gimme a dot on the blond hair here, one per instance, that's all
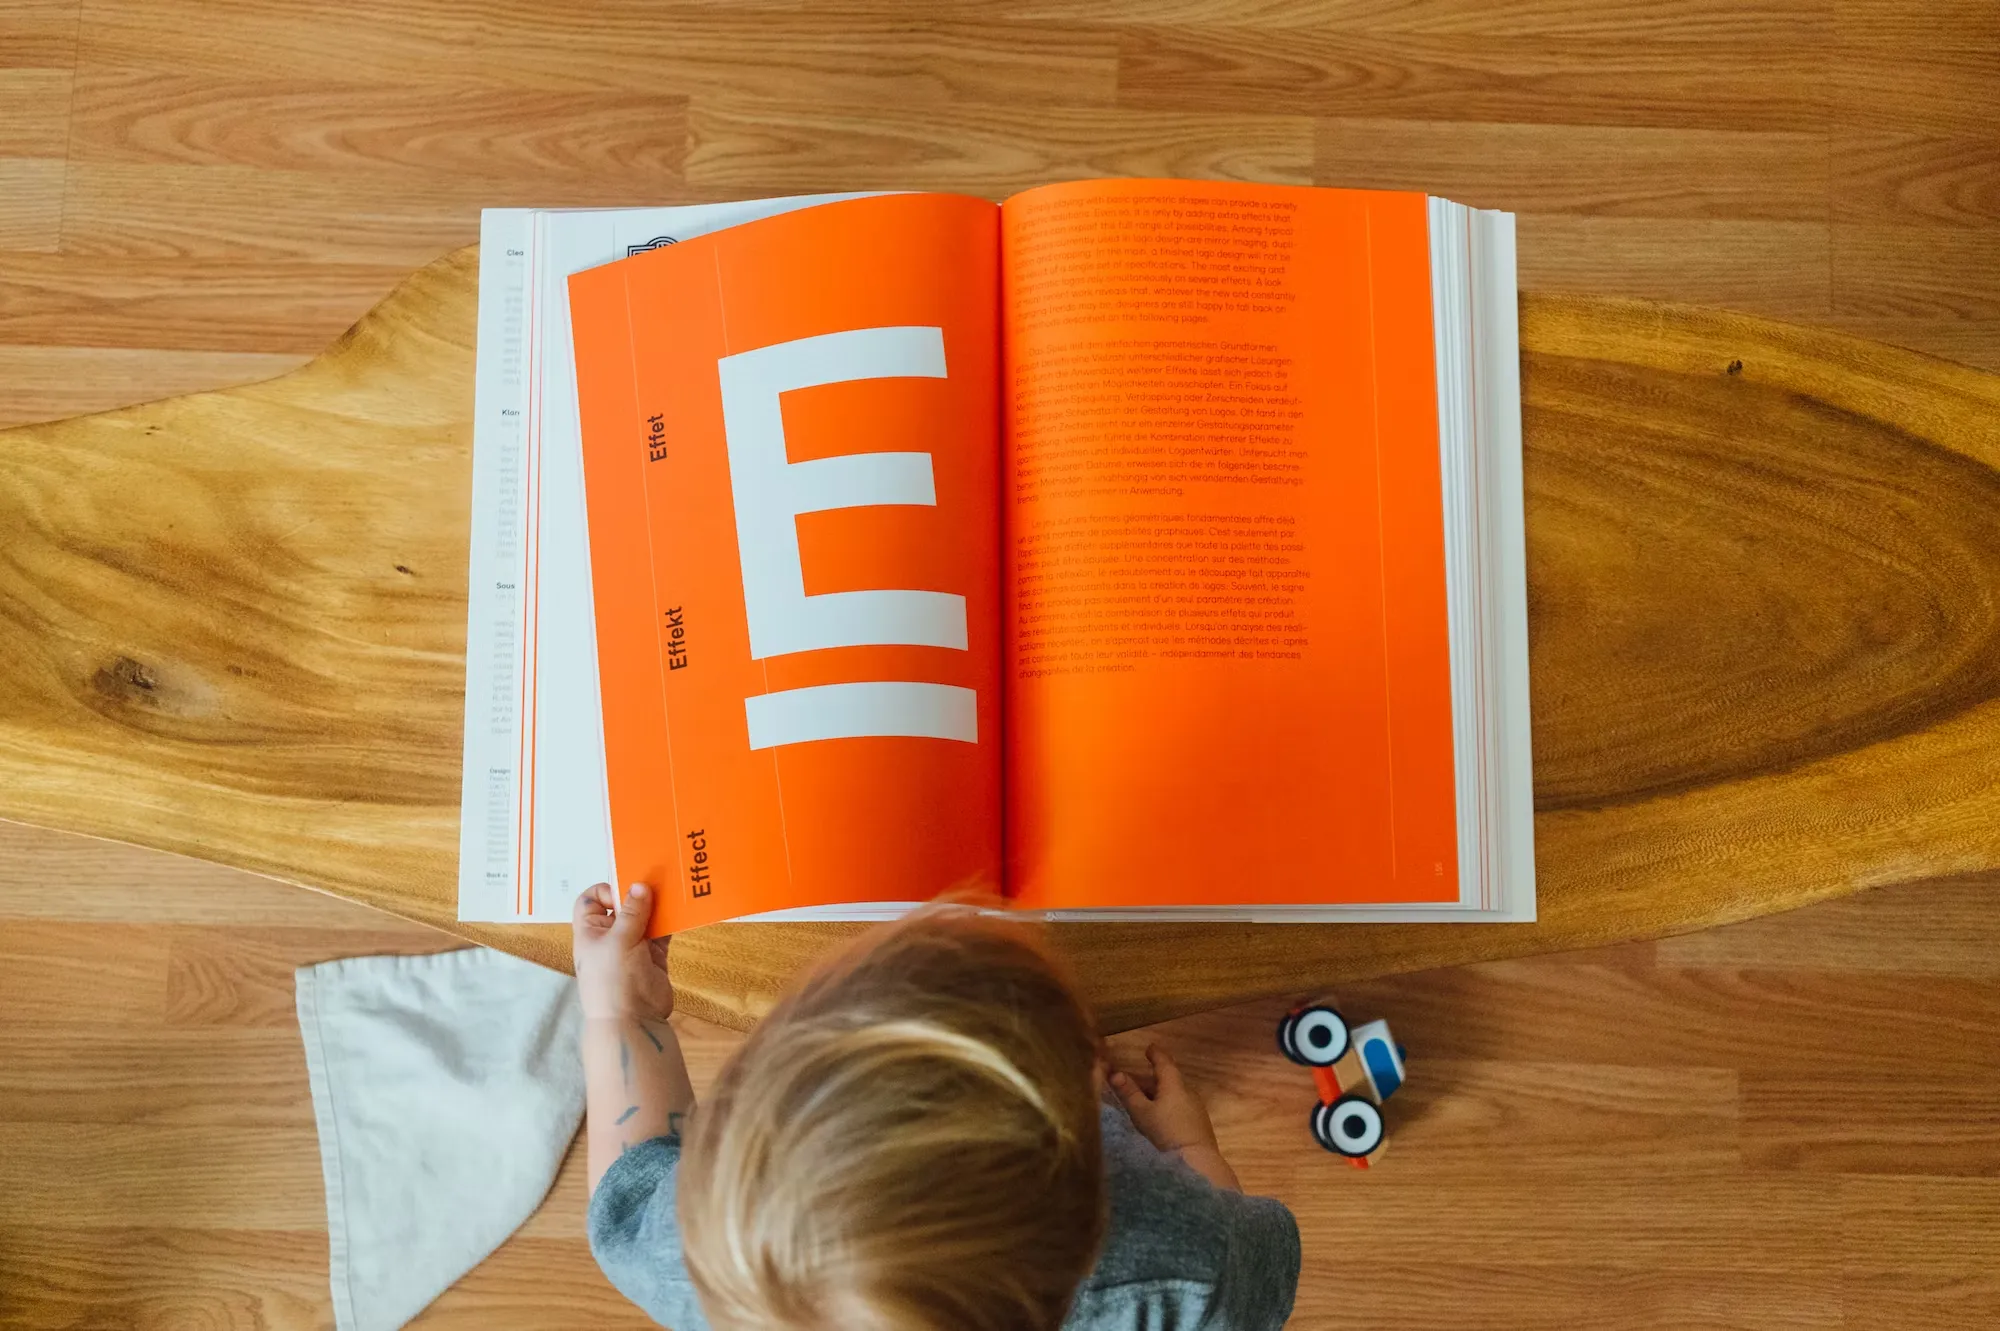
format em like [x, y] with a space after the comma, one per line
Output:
[907, 1142]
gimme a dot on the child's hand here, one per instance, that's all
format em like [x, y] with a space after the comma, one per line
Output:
[1174, 1119]
[619, 971]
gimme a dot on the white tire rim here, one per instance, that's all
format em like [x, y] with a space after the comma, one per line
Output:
[1354, 1127]
[1319, 1036]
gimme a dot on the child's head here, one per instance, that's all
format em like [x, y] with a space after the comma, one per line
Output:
[908, 1140]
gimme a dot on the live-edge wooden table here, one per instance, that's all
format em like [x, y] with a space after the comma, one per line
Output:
[1764, 611]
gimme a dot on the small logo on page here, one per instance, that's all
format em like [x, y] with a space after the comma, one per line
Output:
[656, 243]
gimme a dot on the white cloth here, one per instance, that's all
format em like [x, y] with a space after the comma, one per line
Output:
[446, 1089]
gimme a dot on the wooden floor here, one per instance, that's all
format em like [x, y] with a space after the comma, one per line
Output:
[199, 191]
[1785, 1124]
[1788, 1124]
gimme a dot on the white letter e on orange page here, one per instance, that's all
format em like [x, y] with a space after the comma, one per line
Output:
[771, 491]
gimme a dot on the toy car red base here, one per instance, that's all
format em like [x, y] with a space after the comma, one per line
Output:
[1355, 1071]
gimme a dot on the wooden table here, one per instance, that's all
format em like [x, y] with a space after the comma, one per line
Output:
[1765, 633]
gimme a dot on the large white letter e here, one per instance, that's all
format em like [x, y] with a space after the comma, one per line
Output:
[771, 491]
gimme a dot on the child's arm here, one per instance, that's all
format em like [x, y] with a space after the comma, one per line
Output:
[635, 1081]
[1174, 1119]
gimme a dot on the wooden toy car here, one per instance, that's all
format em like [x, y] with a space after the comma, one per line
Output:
[1355, 1069]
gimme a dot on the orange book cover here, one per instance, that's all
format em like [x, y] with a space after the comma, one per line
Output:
[1088, 547]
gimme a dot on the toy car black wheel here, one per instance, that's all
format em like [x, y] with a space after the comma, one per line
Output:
[1350, 1126]
[1314, 1036]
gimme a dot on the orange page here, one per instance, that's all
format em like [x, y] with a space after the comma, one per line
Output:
[791, 472]
[1228, 664]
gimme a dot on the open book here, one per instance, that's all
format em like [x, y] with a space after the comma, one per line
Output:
[1135, 548]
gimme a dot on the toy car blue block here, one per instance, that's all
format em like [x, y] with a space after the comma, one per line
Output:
[1355, 1069]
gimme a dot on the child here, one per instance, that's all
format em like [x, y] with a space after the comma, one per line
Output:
[914, 1139]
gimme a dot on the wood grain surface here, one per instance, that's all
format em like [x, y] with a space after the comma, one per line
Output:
[199, 193]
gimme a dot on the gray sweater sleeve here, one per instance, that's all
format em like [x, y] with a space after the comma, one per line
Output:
[636, 1237]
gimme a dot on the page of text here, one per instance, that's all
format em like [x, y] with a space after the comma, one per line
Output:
[1228, 666]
